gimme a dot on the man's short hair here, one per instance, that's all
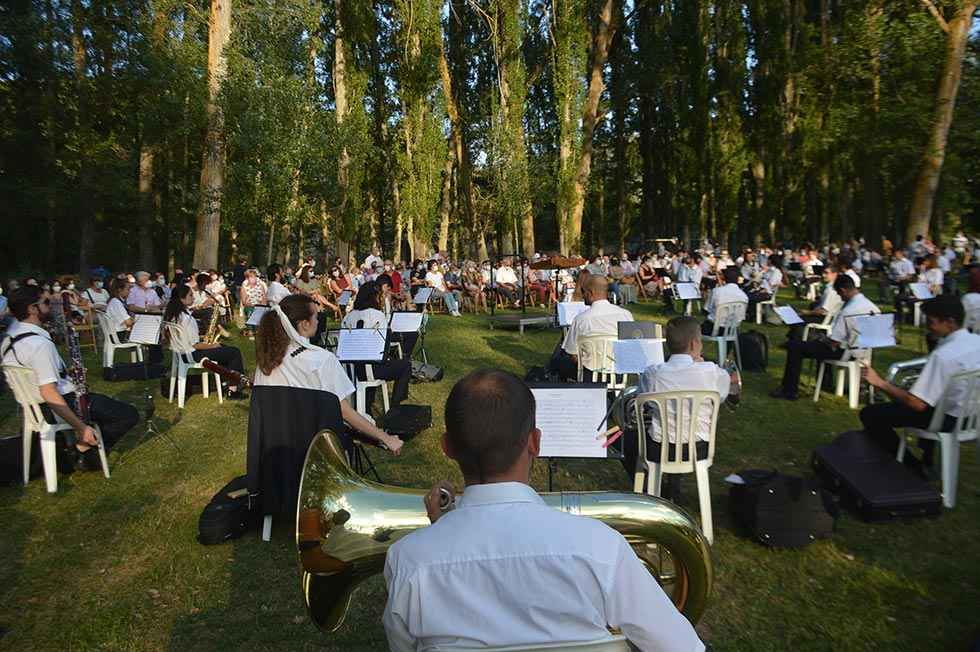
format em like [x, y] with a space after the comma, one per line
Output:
[274, 269]
[731, 275]
[22, 298]
[844, 282]
[681, 331]
[489, 415]
[597, 285]
[945, 306]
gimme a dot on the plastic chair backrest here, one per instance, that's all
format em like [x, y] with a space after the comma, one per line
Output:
[24, 383]
[727, 318]
[970, 408]
[678, 415]
[613, 644]
[972, 321]
[595, 352]
[179, 342]
[108, 332]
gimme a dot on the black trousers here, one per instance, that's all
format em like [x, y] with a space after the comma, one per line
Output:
[408, 341]
[565, 366]
[881, 419]
[707, 326]
[798, 351]
[113, 417]
[670, 484]
[226, 356]
[399, 371]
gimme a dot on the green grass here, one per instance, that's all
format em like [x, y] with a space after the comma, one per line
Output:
[114, 564]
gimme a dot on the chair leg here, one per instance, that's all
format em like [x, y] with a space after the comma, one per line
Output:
[949, 449]
[360, 399]
[205, 385]
[653, 488]
[217, 387]
[704, 496]
[173, 381]
[853, 385]
[102, 455]
[840, 381]
[267, 527]
[639, 479]
[50, 458]
[816, 392]
[722, 352]
[28, 439]
[384, 396]
[738, 353]
[901, 447]
[181, 387]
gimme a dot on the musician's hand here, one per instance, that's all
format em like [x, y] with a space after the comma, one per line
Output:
[87, 436]
[393, 443]
[432, 499]
[871, 376]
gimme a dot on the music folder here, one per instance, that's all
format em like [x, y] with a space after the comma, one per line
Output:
[569, 310]
[422, 296]
[571, 419]
[921, 291]
[687, 291]
[344, 298]
[257, 313]
[364, 345]
[405, 322]
[146, 329]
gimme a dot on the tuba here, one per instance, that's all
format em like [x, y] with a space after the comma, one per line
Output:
[346, 523]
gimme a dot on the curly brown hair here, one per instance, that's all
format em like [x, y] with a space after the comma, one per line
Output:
[271, 339]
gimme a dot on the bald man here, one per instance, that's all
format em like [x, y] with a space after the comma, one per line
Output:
[600, 319]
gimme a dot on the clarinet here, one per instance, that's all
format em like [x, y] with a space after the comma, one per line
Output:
[77, 370]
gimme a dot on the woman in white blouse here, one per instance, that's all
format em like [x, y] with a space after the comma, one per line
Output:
[931, 275]
[285, 357]
[120, 320]
[178, 312]
[435, 280]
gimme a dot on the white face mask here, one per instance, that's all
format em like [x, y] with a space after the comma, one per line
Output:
[146, 284]
[98, 285]
[71, 286]
[56, 288]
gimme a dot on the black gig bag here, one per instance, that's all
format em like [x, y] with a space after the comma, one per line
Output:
[230, 514]
[753, 347]
[782, 511]
[405, 421]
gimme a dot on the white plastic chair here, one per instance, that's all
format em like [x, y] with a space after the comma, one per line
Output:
[771, 301]
[849, 372]
[972, 321]
[24, 384]
[111, 343]
[595, 352]
[616, 643]
[824, 325]
[965, 429]
[678, 414]
[361, 386]
[183, 361]
[727, 318]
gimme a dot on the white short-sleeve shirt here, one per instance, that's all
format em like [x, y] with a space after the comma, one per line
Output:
[117, 313]
[601, 318]
[830, 301]
[189, 325]
[276, 292]
[38, 353]
[842, 329]
[727, 293]
[956, 353]
[854, 275]
[971, 302]
[682, 373]
[99, 298]
[309, 368]
[503, 568]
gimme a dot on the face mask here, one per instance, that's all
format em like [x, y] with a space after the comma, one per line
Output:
[336, 274]
[98, 285]
[146, 284]
[131, 279]
[31, 282]
[71, 286]
[56, 288]
[161, 282]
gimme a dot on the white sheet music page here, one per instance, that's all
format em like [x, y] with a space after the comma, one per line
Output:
[146, 329]
[687, 291]
[634, 356]
[569, 310]
[344, 298]
[361, 345]
[875, 331]
[569, 421]
[921, 291]
[789, 316]
[405, 322]
[423, 296]
[256, 316]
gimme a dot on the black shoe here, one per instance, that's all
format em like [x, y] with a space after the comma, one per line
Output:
[89, 460]
[237, 395]
[779, 393]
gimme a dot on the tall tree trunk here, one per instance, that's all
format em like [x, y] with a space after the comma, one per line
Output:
[924, 193]
[213, 161]
[341, 109]
[146, 205]
[446, 203]
[873, 193]
[605, 30]
[83, 206]
[457, 147]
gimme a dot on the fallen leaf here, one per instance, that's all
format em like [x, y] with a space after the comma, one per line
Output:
[298, 620]
[153, 593]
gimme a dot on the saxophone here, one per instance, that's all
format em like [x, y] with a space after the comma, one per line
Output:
[214, 328]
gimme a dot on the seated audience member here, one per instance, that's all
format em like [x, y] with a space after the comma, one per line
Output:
[502, 568]
[276, 291]
[685, 370]
[931, 275]
[474, 287]
[178, 312]
[956, 351]
[285, 357]
[648, 277]
[616, 274]
[96, 294]
[435, 280]
[367, 313]
[142, 298]
[832, 348]
[601, 318]
[28, 345]
[971, 300]
[120, 321]
[252, 292]
[506, 282]
[727, 292]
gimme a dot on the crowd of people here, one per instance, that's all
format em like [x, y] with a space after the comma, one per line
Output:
[490, 427]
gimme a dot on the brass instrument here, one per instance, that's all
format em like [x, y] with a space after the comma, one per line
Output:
[346, 523]
[214, 328]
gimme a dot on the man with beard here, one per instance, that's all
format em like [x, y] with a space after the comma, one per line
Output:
[29, 345]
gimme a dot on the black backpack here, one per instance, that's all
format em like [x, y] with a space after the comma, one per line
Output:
[230, 514]
[782, 511]
[754, 348]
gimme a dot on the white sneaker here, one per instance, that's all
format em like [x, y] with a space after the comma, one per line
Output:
[456, 314]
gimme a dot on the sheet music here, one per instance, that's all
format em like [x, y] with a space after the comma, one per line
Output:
[344, 298]
[423, 296]
[789, 316]
[687, 291]
[921, 291]
[875, 331]
[634, 356]
[569, 310]
[405, 322]
[146, 329]
[569, 420]
[361, 345]
[256, 316]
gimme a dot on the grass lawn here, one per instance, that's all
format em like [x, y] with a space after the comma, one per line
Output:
[115, 565]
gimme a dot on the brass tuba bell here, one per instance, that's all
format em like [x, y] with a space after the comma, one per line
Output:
[346, 523]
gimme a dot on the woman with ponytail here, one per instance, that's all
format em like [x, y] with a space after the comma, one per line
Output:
[285, 357]
[178, 312]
